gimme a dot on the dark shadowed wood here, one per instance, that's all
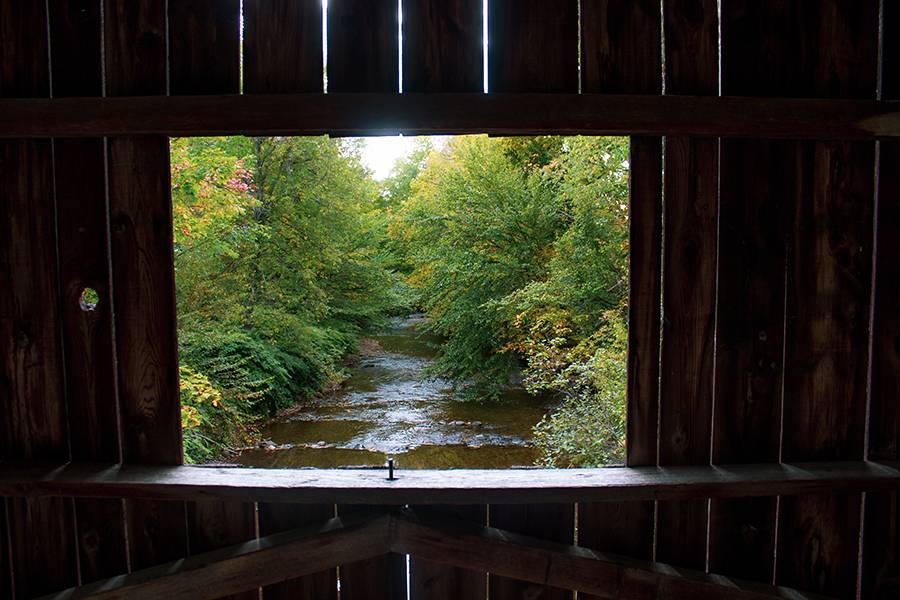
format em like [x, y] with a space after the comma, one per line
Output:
[275, 518]
[363, 46]
[755, 204]
[644, 294]
[33, 422]
[620, 47]
[427, 114]
[621, 53]
[553, 522]
[141, 220]
[828, 299]
[42, 545]
[213, 524]
[516, 30]
[83, 236]
[544, 564]
[145, 333]
[135, 44]
[6, 574]
[283, 46]
[826, 346]
[143, 278]
[429, 580]
[204, 46]
[753, 211]
[689, 280]
[75, 40]
[31, 380]
[83, 231]
[368, 486]
[442, 46]
[881, 552]
[247, 566]
[382, 577]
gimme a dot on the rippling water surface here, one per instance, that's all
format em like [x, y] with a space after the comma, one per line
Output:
[389, 408]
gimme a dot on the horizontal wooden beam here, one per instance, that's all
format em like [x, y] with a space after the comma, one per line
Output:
[564, 566]
[371, 486]
[248, 566]
[421, 114]
[283, 556]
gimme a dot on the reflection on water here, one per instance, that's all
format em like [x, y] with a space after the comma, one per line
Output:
[387, 407]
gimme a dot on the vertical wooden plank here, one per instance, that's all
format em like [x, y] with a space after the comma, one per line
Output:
[433, 581]
[881, 538]
[621, 53]
[380, 578]
[283, 46]
[363, 46]
[442, 46]
[83, 232]
[33, 421]
[143, 278]
[828, 296]
[283, 54]
[689, 280]
[274, 518]
[204, 42]
[532, 46]
[213, 525]
[204, 45]
[554, 522]
[756, 183]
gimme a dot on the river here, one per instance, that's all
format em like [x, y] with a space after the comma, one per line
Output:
[387, 407]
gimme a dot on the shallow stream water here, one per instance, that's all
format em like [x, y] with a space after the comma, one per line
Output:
[387, 407]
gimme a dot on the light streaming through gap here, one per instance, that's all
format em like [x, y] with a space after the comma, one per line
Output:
[400, 46]
[325, 46]
[484, 45]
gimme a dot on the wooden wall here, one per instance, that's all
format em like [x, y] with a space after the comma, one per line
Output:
[764, 319]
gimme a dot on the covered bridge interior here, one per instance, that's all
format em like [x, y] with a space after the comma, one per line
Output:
[764, 325]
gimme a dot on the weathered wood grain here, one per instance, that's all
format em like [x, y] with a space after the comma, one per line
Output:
[516, 28]
[143, 278]
[276, 518]
[82, 226]
[370, 486]
[442, 46]
[753, 212]
[283, 46]
[828, 298]
[204, 46]
[756, 185]
[33, 423]
[553, 522]
[363, 46]
[689, 278]
[429, 580]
